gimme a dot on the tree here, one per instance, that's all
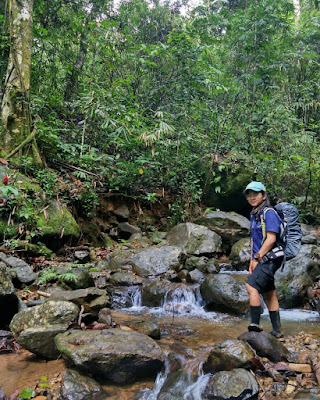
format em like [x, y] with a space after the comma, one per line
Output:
[17, 127]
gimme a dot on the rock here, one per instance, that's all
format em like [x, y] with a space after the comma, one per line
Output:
[230, 226]
[155, 260]
[195, 276]
[24, 273]
[57, 225]
[309, 239]
[194, 239]
[83, 256]
[304, 368]
[10, 303]
[241, 253]
[223, 292]
[149, 328]
[158, 237]
[126, 230]
[75, 386]
[40, 340]
[122, 211]
[82, 297]
[119, 260]
[83, 277]
[266, 345]
[212, 266]
[125, 279]
[49, 313]
[118, 355]
[123, 296]
[105, 317]
[175, 385]
[297, 275]
[153, 293]
[230, 385]
[196, 262]
[229, 355]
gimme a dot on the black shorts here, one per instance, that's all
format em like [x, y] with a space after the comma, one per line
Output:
[262, 277]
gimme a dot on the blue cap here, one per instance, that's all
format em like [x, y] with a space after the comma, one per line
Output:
[256, 186]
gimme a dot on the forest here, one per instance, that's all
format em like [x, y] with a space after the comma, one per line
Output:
[163, 101]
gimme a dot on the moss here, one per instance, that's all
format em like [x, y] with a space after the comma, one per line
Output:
[6, 231]
[59, 222]
[19, 181]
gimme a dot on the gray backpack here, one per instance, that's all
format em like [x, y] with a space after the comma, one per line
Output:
[290, 231]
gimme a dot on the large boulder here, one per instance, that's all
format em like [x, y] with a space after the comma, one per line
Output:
[125, 279]
[294, 279]
[228, 355]
[229, 225]
[194, 239]
[75, 386]
[49, 313]
[154, 293]
[83, 278]
[231, 385]
[10, 303]
[155, 260]
[222, 292]
[118, 355]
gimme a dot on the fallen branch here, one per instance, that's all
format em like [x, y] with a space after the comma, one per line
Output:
[44, 294]
[22, 144]
[73, 168]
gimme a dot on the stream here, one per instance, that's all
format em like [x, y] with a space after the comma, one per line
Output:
[188, 332]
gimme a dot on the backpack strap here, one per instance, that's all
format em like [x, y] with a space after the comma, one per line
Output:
[263, 223]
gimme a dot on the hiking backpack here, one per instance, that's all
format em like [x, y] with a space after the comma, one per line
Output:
[290, 229]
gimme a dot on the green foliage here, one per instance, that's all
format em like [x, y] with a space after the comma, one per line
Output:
[26, 394]
[50, 275]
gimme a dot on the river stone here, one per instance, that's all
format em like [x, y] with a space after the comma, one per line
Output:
[196, 262]
[229, 225]
[194, 239]
[10, 303]
[40, 340]
[75, 386]
[125, 279]
[175, 385]
[238, 384]
[293, 281]
[266, 345]
[228, 355]
[118, 355]
[155, 260]
[223, 292]
[149, 328]
[195, 276]
[119, 260]
[24, 273]
[49, 313]
[241, 253]
[82, 297]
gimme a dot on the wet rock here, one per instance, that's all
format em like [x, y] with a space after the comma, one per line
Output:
[241, 253]
[82, 297]
[149, 328]
[153, 294]
[223, 292]
[118, 355]
[24, 273]
[297, 275]
[230, 226]
[49, 313]
[122, 296]
[78, 387]
[232, 385]
[194, 239]
[212, 266]
[228, 355]
[125, 279]
[266, 345]
[155, 260]
[175, 385]
[10, 303]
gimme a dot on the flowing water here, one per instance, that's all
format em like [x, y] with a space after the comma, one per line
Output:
[188, 332]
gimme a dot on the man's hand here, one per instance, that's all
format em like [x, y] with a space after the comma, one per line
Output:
[253, 264]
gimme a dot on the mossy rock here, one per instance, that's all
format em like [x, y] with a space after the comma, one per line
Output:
[18, 180]
[58, 222]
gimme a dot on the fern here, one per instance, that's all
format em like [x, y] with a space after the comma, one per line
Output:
[48, 275]
[67, 277]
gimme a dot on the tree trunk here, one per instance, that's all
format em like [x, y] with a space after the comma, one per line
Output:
[15, 112]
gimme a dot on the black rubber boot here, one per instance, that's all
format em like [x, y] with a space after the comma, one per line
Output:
[276, 324]
[255, 319]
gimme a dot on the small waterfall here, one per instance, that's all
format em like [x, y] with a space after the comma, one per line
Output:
[183, 300]
[136, 299]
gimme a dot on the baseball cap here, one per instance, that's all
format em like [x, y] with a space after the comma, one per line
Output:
[256, 186]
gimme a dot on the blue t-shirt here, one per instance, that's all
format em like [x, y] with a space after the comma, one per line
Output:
[272, 221]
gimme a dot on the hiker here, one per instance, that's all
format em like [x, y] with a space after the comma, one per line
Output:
[266, 257]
